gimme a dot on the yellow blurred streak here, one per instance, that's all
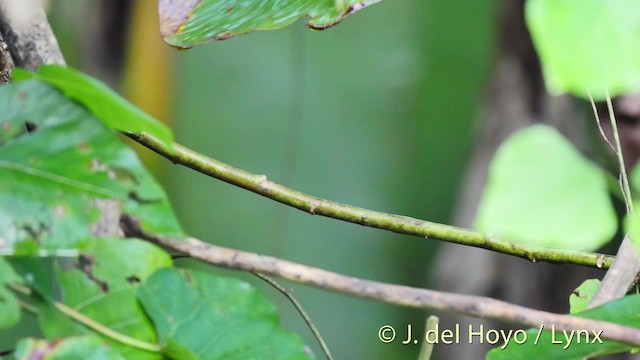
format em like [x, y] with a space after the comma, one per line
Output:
[148, 70]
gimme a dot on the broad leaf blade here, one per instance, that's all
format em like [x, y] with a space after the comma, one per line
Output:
[84, 347]
[105, 104]
[623, 311]
[199, 316]
[102, 285]
[587, 46]
[542, 192]
[9, 307]
[186, 23]
[56, 159]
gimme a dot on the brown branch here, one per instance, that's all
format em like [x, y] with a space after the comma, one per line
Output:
[6, 62]
[27, 33]
[389, 293]
[620, 277]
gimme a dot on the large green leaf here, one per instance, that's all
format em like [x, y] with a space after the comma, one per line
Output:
[105, 104]
[542, 192]
[56, 159]
[186, 23]
[102, 285]
[9, 307]
[198, 316]
[623, 311]
[587, 45]
[75, 348]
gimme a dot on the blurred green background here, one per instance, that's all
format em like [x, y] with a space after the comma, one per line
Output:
[377, 112]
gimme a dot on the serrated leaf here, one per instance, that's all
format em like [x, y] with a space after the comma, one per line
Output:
[9, 306]
[56, 160]
[587, 45]
[187, 23]
[542, 192]
[105, 104]
[199, 316]
[580, 297]
[75, 348]
[623, 311]
[102, 285]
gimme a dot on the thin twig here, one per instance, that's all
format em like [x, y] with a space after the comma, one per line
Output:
[624, 179]
[389, 293]
[300, 309]
[427, 346]
[597, 116]
[92, 324]
[259, 184]
[28, 307]
[624, 270]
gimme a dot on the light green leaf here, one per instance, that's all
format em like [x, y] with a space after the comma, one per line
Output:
[56, 159]
[199, 316]
[105, 104]
[102, 285]
[186, 23]
[587, 45]
[542, 192]
[9, 306]
[75, 348]
[623, 311]
[580, 298]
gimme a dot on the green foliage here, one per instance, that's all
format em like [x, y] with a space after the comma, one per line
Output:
[127, 286]
[102, 285]
[104, 103]
[623, 311]
[56, 159]
[542, 192]
[75, 348]
[581, 297]
[9, 307]
[188, 23]
[203, 317]
[587, 46]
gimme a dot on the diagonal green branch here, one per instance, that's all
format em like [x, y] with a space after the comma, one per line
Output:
[259, 184]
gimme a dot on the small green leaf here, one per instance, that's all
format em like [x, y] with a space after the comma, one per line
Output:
[587, 46]
[623, 311]
[9, 306]
[74, 348]
[199, 316]
[102, 284]
[105, 104]
[542, 192]
[580, 298]
[186, 23]
[56, 160]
